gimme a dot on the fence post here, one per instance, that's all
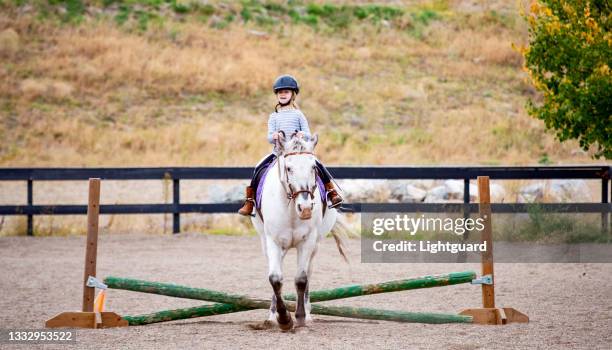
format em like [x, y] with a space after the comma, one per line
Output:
[30, 203]
[605, 216]
[176, 215]
[462, 256]
[466, 197]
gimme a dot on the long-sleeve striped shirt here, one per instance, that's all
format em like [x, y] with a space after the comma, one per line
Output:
[288, 121]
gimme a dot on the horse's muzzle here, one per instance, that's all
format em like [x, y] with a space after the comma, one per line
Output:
[306, 214]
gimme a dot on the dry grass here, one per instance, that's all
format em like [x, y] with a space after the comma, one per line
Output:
[185, 94]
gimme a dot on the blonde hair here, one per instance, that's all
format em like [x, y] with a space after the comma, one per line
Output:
[292, 103]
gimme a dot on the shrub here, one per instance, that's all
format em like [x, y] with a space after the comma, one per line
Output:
[568, 59]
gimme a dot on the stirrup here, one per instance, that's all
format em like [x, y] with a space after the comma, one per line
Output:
[254, 210]
[331, 206]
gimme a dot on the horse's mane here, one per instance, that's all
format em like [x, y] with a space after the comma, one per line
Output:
[296, 144]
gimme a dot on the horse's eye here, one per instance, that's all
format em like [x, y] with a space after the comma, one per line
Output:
[289, 169]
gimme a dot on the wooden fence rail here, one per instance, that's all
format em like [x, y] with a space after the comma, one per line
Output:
[176, 174]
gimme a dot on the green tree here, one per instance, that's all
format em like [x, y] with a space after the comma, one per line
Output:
[568, 59]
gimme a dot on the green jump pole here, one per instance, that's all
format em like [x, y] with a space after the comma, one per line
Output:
[341, 311]
[235, 303]
[391, 286]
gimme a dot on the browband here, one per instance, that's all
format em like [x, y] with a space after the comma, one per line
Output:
[294, 153]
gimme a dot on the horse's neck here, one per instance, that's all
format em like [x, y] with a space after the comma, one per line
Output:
[273, 181]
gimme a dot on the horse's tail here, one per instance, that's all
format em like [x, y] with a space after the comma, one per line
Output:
[341, 231]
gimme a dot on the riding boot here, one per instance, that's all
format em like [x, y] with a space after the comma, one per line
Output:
[247, 207]
[333, 195]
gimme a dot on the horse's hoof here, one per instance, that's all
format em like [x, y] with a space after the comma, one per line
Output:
[300, 322]
[286, 326]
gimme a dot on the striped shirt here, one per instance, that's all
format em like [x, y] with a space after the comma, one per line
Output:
[289, 121]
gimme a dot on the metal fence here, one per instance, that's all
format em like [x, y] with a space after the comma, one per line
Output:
[176, 174]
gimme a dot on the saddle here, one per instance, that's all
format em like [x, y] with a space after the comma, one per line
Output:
[262, 179]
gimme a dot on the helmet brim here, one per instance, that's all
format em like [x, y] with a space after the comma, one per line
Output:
[292, 88]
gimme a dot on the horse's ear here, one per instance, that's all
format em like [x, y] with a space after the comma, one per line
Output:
[279, 145]
[314, 140]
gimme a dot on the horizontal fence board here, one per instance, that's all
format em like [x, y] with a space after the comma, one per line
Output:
[232, 208]
[345, 172]
[601, 172]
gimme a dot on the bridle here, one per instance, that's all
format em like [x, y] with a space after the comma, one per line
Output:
[291, 193]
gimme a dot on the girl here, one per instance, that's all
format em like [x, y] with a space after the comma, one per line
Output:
[287, 118]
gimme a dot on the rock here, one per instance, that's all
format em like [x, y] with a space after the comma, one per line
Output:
[450, 190]
[531, 193]
[437, 194]
[422, 184]
[407, 193]
[454, 189]
[364, 190]
[223, 194]
[569, 191]
[556, 191]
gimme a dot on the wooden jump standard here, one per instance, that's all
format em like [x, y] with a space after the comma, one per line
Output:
[88, 318]
[489, 314]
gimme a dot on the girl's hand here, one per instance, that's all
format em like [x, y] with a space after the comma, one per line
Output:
[275, 135]
[300, 134]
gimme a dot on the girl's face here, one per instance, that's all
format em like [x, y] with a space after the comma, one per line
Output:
[284, 96]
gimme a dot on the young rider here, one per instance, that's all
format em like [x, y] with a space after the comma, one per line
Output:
[287, 118]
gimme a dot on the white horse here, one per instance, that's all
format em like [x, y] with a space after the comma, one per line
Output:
[292, 216]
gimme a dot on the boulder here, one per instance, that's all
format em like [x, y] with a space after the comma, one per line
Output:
[407, 193]
[531, 193]
[569, 191]
[422, 184]
[226, 194]
[454, 189]
[364, 190]
[437, 194]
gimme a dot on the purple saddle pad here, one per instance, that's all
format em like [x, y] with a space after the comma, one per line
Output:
[262, 181]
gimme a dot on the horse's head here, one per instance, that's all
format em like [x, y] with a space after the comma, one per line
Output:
[298, 172]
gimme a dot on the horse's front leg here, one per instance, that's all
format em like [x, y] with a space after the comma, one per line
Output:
[305, 253]
[275, 275]
[272, 314]
[307, 292]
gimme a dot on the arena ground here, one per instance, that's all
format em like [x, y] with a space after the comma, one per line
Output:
[570, 305]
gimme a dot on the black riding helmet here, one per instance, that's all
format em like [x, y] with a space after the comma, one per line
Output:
[286, 82]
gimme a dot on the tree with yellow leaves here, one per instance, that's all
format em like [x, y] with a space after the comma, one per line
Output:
[568, 60]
